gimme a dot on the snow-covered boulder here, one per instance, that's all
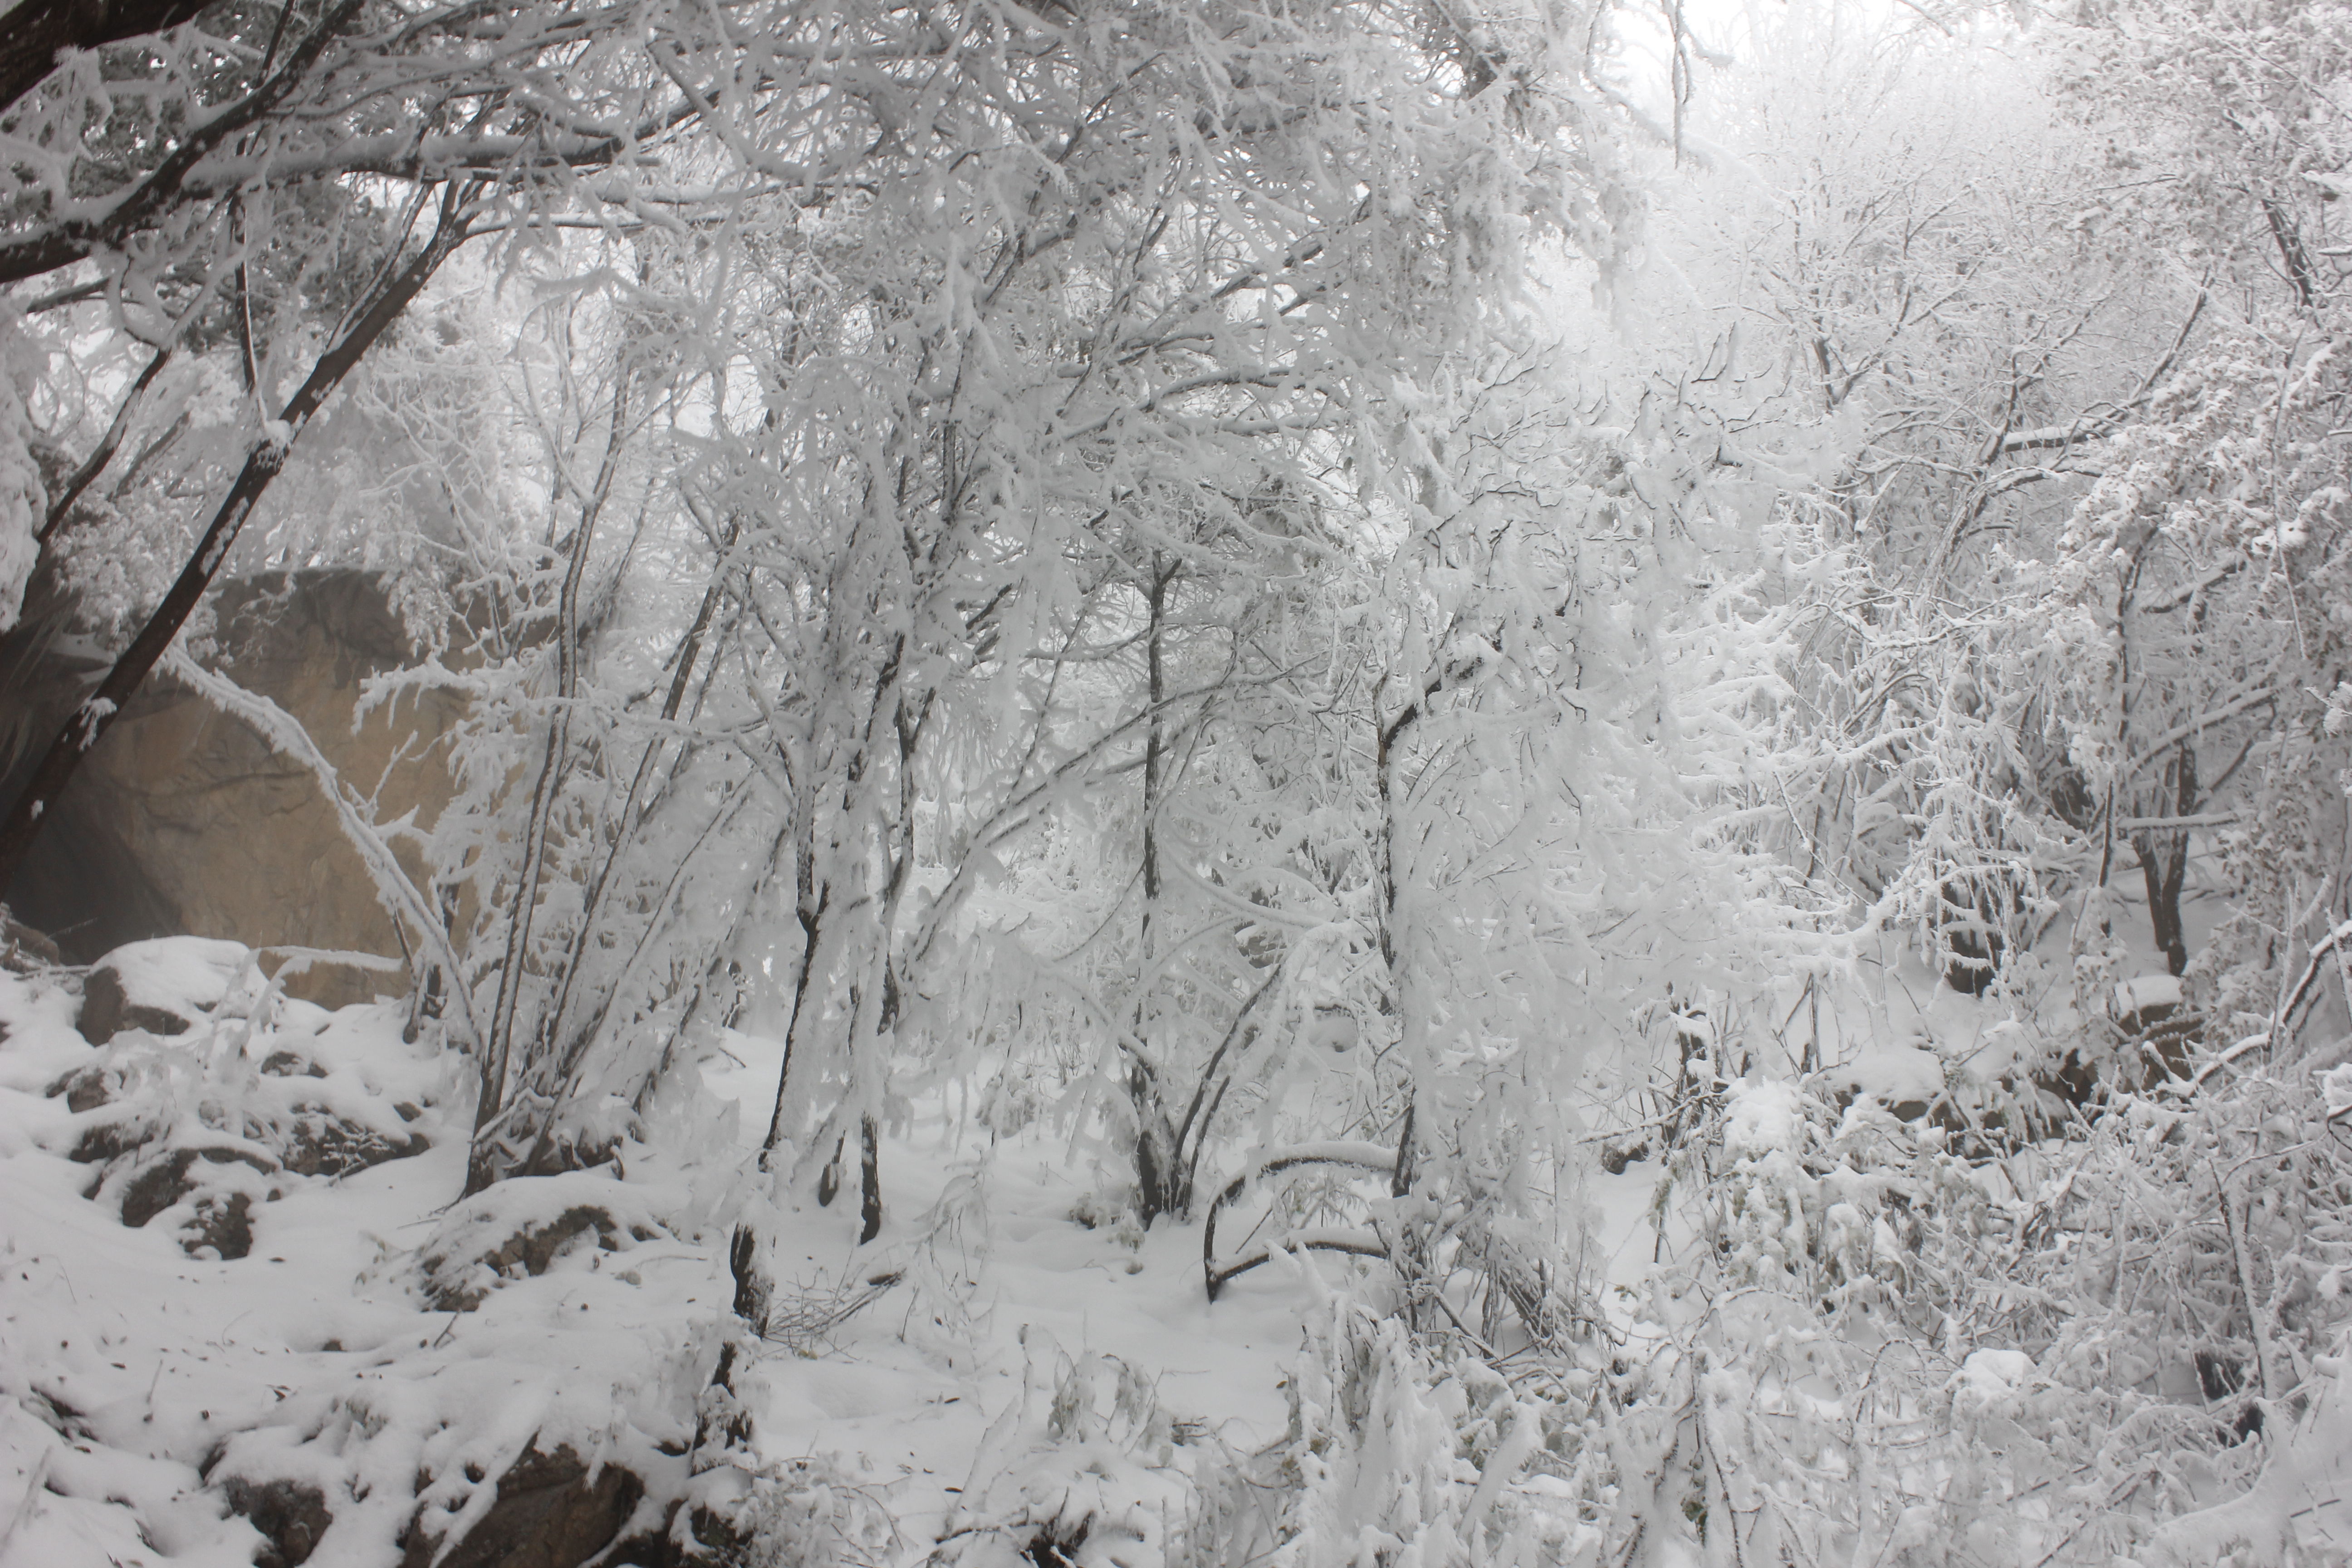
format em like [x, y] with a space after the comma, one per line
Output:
[1908, 1078]
[247, 1093]
[548, 1511]
[165, 987]
[523, 1227]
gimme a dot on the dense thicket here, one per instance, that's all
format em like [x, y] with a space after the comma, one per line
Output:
[1350, 603]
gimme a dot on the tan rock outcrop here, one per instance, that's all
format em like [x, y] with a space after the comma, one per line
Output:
[183, 820]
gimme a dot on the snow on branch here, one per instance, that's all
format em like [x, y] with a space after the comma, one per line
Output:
[285, 734]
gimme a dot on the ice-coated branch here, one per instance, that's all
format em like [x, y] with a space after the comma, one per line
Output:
[88, 723]
[286, 735]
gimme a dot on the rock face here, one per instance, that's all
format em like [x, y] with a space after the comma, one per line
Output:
[290, 1516]
[548, 1514]
[521, 1227]
[107, 1010]
[183, 820]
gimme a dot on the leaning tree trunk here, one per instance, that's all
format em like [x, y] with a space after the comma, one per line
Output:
[85, 726]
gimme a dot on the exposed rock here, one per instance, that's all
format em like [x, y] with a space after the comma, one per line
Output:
[165, 986]
[1616, 1154]
[107, 1010]
[712, 1540]
[573, 1149]
[319, 1144]
[548, 1514]
[1055, 1545]
[326, 1147]
[290, 1516]
[84, 1091]
[26, 950]
[532, 1249]
[135, 1099]
[173, 1177]
[224, 1223]
[707, 1537]
[182, 819]
[110, 1140]
[287, 1064]
[454, 1283]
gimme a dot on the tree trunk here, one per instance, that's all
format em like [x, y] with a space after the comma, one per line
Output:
[83, 727]
[2163, 867]
[1158, 1175]
[2164, 864]
[103, 453]
[869, 1180]
[508, 1089]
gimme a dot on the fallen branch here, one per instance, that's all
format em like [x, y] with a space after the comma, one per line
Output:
[1368, 1157]
[1298, 1240]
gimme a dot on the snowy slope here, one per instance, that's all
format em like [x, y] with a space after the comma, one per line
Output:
[147, 1386]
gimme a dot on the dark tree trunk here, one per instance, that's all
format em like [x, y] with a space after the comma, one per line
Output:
[2164, 864]
[103, 453]
[2163, 867]
[828, 1181]
[86, 724]
[751, 1287]
[1158, 1173]
[722, 1423]
[1160, 1186]
[869, 1180]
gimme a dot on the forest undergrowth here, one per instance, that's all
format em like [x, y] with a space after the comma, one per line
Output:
[1210, 782]
[1797, 1331]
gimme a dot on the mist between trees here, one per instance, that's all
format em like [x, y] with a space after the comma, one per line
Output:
[1106, 558]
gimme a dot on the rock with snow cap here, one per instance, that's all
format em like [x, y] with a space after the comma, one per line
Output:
[165, 987]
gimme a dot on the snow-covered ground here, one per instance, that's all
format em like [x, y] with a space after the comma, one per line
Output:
[245, 1319]
[147, 1384]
